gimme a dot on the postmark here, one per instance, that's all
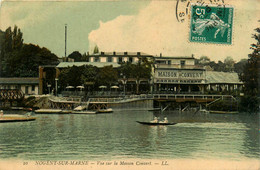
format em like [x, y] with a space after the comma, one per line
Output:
[211, 24]
[183, 7]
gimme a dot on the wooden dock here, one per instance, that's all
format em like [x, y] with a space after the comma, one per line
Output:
[16, 118]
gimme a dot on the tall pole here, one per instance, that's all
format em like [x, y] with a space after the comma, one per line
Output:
[66, 42]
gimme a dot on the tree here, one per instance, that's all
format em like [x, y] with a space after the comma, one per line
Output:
[75, 76]
[250, 77]
[19, 59]
[138, 71]
[204, 60]
[76, 56]
[96, 50]
[229, 64]
[107, 76]
[239, 66]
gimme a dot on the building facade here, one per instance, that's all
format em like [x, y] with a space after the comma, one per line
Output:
[169, 74]
[182, 75]
[29, 86]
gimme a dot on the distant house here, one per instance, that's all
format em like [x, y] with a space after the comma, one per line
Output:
[28, 85]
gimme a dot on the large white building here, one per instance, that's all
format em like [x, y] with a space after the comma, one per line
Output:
[170, 74]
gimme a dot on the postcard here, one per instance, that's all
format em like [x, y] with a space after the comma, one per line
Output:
[124, 84]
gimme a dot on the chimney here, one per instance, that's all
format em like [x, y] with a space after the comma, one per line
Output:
[138, 53]
[88, 53]
[102, 53]
[125, 53]
[114, 53]
[160, 54]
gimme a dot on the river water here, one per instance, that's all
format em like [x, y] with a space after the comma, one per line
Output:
[118, 136]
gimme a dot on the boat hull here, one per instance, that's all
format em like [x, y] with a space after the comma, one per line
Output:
[156, 124]
[16, 119]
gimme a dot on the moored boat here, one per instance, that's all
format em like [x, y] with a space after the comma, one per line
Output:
[48, 111]
[223, 112]
[15, 118]
[84, 112]
[108, 110]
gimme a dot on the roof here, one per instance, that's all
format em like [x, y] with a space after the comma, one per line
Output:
[173, 57]
[19, 80]
[78, 64]
[121, 54]
[213, 77]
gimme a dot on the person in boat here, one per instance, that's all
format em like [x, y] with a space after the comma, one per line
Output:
[164, 121]
[155, 120]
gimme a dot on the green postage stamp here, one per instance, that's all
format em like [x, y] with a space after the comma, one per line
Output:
[211, 24]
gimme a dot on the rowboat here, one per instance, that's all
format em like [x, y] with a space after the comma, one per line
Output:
[156, 124]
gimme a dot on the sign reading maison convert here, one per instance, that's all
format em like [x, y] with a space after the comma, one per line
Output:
[179, 76]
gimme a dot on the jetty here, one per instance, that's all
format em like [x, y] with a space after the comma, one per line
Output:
[135, 102]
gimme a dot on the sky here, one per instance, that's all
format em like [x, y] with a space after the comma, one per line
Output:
[124, 25]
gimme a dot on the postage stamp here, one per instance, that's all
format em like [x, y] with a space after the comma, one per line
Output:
[211, 24]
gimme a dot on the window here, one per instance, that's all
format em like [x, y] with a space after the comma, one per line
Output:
[109, 59]
[120, 59]
[182, 63]
[130, 59]
[33, 87]
[169, 62]
[96, 59]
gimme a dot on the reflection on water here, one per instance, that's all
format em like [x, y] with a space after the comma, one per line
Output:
[118, 136]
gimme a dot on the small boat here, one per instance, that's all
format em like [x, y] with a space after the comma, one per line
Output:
[108, 110]
[157, 123]
[84, 112]
[16, 118]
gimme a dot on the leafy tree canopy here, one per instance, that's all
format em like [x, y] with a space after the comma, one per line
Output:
[19, 59]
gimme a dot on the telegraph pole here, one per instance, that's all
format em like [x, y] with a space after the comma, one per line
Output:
[65, 42]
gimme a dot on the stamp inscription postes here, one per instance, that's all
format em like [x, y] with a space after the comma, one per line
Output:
[211, 24]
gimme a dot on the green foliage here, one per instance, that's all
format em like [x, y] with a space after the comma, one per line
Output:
[249, 104]
[141, 70]
[22, 60]
[250, 77]
[76, 76]
[96, 50]
[107, 76]
[228, 65]
[239, 66]
[76, 56]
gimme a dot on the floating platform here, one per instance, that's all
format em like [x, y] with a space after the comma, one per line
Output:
[50, 111]
[223, 112]
[109, 110]
[16, 118]
[84, 112]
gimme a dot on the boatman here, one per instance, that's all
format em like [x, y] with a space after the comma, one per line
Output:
[155, 120]
[165, 120]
